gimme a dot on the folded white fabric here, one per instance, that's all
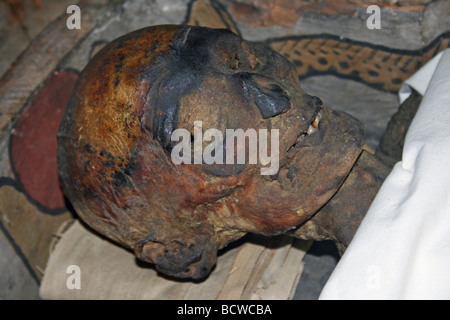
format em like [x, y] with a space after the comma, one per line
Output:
[402, 247]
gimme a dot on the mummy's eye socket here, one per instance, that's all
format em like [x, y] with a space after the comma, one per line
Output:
[269, 97]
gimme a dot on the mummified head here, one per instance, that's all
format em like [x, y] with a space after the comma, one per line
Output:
[119, 132]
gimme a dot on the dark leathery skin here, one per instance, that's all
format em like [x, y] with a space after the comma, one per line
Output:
[114, 145]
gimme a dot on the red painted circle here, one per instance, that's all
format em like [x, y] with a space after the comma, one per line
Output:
[33, 140]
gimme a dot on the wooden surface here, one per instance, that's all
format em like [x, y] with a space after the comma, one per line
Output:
[349, 66]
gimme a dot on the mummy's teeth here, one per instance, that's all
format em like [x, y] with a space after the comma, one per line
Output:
[311, 130]
[320, 115]
[317, 119]
[313, 127]
[315, 123]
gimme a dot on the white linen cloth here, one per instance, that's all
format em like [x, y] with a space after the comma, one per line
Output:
[402, 247]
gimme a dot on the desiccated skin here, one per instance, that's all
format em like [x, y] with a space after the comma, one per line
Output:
[115, 162]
